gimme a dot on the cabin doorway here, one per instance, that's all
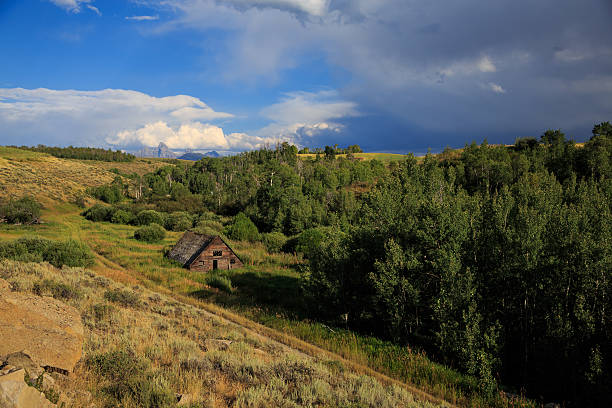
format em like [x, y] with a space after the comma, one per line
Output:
[215, 265]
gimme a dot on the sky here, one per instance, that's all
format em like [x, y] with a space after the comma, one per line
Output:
[233, 75]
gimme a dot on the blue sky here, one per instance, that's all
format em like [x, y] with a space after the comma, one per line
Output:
[230, 75]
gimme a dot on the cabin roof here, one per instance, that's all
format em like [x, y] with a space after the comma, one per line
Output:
[189, 247]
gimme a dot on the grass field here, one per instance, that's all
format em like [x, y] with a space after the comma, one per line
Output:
[265, 291]
[51, 179]
[383, 157]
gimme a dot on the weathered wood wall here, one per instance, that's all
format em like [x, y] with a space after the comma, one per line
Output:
[204, 262]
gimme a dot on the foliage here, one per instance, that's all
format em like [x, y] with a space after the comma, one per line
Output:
[178, 221]
[274, 241]
[150, 233]
[496, 260]
[123, 297]
[242, 229]
[82, 153]
[58, 290]
[146, 217]
[97, 213]
[23, 210]
[69, 253]
[111, 193]
[128, 377]
[121, 217]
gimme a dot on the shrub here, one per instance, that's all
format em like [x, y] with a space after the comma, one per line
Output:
[274, 241]
[209, 227]
[57, 289]
[221, 282]
[121, 217]
[127, 377]
[310, 240]
[70, 253]
[178, 221]
[98, 213]
[146, 217]
[24, 210]
[125, 298]
[150, 233]
[242, 229]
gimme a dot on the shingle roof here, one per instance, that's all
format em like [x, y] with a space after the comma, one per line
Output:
[189, 247]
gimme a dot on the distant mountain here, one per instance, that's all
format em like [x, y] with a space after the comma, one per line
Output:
[197, 156]
[161, 151]
[191, 156]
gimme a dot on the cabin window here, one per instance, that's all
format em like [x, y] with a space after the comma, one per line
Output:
[232, 261]
[217, 253]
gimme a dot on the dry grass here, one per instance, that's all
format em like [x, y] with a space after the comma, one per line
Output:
[168, 346]
[51, 179]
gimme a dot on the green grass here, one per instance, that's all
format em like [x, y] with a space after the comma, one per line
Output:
[384, 157]
[11, 153]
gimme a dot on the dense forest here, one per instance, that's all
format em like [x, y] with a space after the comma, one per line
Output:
[82, 153]
[496, 260]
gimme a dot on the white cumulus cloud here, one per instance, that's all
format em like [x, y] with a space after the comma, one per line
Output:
[496, 88]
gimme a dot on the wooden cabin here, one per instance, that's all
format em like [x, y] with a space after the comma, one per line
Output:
[201, 252]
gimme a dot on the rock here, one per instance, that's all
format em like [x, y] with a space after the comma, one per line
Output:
[15, 393]
[47, 330]
[7, 368]
[22, 360]
[48, 382]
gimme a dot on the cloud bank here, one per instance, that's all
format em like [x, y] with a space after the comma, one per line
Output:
[113, 117]
[129, 119]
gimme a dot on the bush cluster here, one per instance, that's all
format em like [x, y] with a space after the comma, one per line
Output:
[24, 210]
[150, 233]
[135, 215]
[69, 253]
[274, 241]
[242, 229]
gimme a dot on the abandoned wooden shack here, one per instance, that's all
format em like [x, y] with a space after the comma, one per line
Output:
[204, 253]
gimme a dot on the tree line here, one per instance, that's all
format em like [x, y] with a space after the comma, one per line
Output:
[82, 153]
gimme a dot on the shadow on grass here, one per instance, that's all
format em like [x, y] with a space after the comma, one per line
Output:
[272, 291]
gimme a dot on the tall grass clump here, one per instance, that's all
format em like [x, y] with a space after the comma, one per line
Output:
[220, 282]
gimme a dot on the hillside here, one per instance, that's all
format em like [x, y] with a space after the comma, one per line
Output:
[53, 179]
